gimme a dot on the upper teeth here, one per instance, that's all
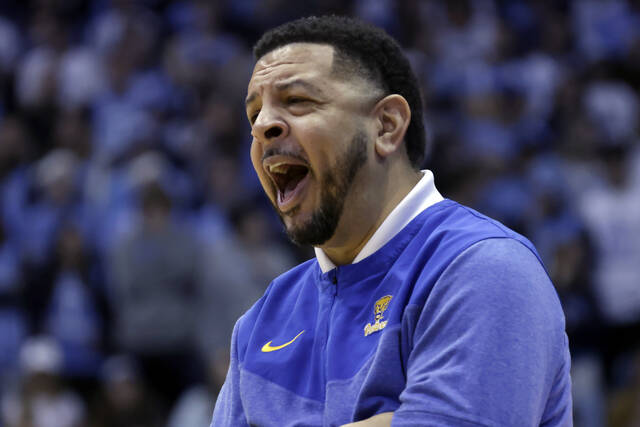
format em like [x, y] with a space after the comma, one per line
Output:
[279, 168]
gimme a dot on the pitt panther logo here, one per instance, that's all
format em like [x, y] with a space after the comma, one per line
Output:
[378, 310]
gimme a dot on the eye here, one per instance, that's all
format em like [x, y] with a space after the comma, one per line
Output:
[296, 100]
[254, 116]
[298, 105]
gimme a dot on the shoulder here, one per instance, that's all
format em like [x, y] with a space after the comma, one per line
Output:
[465, 260]
[492, 329]
[454, 220]
[502, 280]
[449, 235]
[502, 263]
[449, 228]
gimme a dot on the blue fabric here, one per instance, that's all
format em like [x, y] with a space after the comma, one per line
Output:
[473, 334]
[13, 332]
[73, 319]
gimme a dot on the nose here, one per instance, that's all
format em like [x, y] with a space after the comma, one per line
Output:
[269, 127]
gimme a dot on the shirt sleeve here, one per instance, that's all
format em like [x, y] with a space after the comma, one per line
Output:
[228, 410]
[489, 347]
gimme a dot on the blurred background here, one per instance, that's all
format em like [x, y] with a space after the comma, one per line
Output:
[133, 231]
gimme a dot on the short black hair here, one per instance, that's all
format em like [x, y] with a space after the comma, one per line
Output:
[376, 55]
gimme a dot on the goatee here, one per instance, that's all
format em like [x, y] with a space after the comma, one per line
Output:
[335, 184]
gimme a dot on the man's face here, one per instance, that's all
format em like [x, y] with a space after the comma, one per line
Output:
[310, 137]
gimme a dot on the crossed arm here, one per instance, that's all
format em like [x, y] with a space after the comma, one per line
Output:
[491, 336]
[380, 420]
[507, 324]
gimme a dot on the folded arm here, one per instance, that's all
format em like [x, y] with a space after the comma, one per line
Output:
[379, 420]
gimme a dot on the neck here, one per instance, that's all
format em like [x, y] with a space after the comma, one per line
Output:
[366, 211]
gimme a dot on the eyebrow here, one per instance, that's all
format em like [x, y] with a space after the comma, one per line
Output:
[298, 82]
[281, 87]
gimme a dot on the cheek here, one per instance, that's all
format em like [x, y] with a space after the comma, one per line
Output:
[320, 142]
[256, 156]
[256, 160]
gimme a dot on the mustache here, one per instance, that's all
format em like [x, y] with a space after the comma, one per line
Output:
[277, 152]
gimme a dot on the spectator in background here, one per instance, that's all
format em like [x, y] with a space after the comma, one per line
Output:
[194, 407]
[73, 132]
[268, 256]
[13, 144]
[54, 198]
[14, 178]
[625, 403]
[36, 200]
[570, 270]
[611, 212]
[13, 182]
[37, 87]
[124, 399]
[13, 327]
[76, 312]
[41, 399]
[153, 281]
[226, 280]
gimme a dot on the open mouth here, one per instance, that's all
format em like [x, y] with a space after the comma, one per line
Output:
[289, 180]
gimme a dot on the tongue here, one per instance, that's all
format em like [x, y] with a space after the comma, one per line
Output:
[295, 176]
[292, 184]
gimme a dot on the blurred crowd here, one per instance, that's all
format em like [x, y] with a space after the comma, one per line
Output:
[133, 231]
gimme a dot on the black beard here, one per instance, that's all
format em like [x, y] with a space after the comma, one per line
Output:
[335, 185]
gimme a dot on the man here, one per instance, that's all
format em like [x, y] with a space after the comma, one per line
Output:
[416, 310]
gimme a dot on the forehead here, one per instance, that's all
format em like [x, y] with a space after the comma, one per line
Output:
[308, 60]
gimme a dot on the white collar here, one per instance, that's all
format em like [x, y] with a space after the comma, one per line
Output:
[423, 195]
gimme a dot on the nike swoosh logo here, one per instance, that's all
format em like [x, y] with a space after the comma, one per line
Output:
[269, 348]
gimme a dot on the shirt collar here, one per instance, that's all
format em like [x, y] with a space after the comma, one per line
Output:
[421, 196]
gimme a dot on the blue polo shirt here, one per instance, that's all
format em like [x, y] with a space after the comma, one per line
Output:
[451, 321]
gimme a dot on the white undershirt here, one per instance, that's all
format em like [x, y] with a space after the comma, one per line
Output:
[423, 195]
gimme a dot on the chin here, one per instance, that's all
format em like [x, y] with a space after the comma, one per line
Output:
[314, 229]
[295, 225]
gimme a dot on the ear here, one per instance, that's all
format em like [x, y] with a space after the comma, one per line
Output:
[393, 115]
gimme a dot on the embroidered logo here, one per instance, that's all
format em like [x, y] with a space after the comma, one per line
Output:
[378, 310]
[269, 348]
